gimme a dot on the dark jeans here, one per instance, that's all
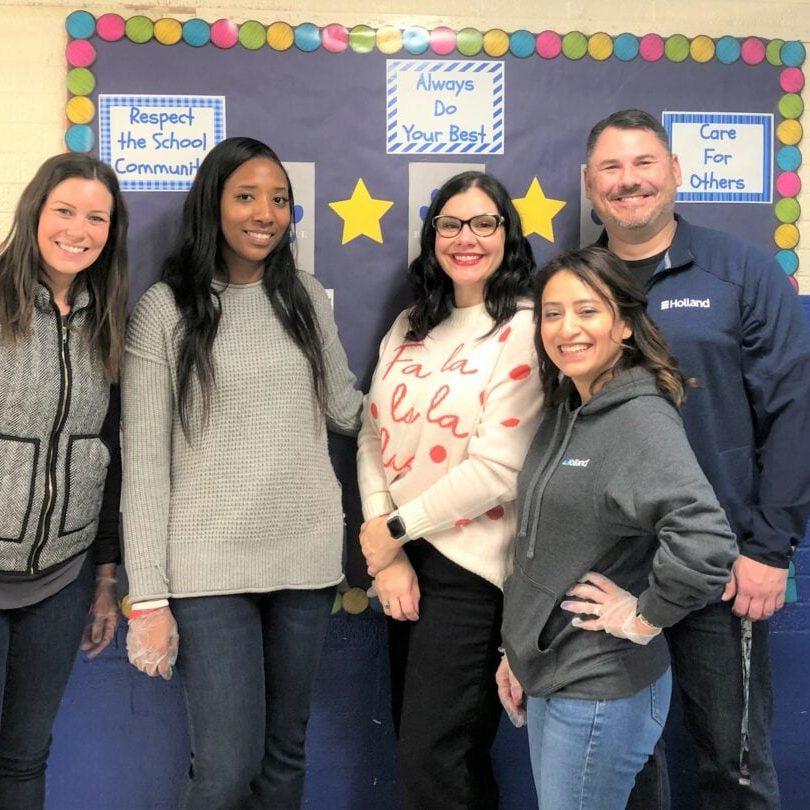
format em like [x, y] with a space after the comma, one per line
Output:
[445, 702]
[38, 646]
[706, 651]
[247, 663]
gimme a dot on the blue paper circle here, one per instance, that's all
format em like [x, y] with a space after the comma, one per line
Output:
[196, 33]
[788, 260]
[80, 138]
[727, 50]
[625, 46]
[789, 158]
[792, 53]
[307, 37]
[521, 43]
[80, 24]
[415, 40]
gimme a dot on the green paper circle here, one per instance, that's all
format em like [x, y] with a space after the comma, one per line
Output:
[81, 81]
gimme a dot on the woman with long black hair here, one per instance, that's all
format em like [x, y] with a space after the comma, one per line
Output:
[232, 512]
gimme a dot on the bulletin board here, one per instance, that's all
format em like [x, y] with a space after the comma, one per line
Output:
[369, 122]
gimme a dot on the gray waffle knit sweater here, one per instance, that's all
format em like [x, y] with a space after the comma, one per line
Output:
[252, 502]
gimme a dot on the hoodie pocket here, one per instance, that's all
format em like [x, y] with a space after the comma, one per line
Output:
[18, 465]
[86, 472]
[527, 608]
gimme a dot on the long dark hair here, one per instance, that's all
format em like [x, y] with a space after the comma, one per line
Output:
[610, 279]
[105, 280]
[432, 289]
[197, 258]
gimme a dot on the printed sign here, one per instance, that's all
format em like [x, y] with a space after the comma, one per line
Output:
[445, 107]
[725, 157]
[156, 143]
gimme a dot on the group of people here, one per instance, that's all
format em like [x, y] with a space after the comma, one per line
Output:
[568, 486]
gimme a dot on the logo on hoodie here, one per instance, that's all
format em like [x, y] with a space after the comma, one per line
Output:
[686, 303]
[575, 462]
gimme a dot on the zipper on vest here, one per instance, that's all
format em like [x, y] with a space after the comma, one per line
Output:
[49, 501]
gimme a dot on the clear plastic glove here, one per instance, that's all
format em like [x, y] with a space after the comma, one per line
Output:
[103, 618]
[152, 642]
[511, 694]
[615, 610]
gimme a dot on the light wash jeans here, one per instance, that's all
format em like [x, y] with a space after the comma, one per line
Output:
[585, 754]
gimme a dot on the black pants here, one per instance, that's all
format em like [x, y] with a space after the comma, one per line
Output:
[444, 699]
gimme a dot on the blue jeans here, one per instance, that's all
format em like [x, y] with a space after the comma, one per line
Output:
[247, 664]
[38, 645]
[586, 753]
[707, 651]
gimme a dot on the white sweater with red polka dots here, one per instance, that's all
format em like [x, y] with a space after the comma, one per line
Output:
[446, 425]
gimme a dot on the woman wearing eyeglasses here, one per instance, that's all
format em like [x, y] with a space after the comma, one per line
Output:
[451, 411]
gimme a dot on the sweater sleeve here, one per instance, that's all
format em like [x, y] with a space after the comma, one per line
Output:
[375, 496]
[147, 410]
[487, 477]
[775, 355]
[343, 400]
[660, 488]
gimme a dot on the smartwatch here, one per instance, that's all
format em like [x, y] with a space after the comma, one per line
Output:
[396, 528]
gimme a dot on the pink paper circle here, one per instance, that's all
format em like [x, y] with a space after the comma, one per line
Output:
[442, 40]
[791, 80]
[752, 51]
[224, 33]
[334, 38]
[788, 184]
[651, 47]
[110, 27]
[80, 53]
[549, 44]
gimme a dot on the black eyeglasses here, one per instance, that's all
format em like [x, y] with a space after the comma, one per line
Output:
[481, 225]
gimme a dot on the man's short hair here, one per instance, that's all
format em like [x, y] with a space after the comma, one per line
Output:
[627, 119]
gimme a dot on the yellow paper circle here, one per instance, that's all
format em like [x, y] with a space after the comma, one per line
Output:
[168, 31]
[600, 47]
[280, 36]
[786, 236]
[789, 132]
[355, 601]
[80, 110]
[496, 42]
[701, 49]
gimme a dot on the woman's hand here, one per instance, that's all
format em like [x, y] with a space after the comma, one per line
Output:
[615, 610]
[379, 548]
[397, 588]
[152, 642]
[104, 613]
[511, 694]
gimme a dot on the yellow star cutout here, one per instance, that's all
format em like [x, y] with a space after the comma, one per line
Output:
[361, 214]
[537, 211]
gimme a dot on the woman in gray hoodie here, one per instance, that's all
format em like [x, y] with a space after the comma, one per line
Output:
[617, 524]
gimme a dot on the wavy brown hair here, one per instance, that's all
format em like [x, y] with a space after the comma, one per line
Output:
[105, 280]
[610, 279]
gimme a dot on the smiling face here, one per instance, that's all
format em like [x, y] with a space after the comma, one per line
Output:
[73, 228]
[467, 259]
[254, 216]
[580, 331]
[631, 180]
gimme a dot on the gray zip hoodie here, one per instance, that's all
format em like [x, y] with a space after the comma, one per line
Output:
[610, 486]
